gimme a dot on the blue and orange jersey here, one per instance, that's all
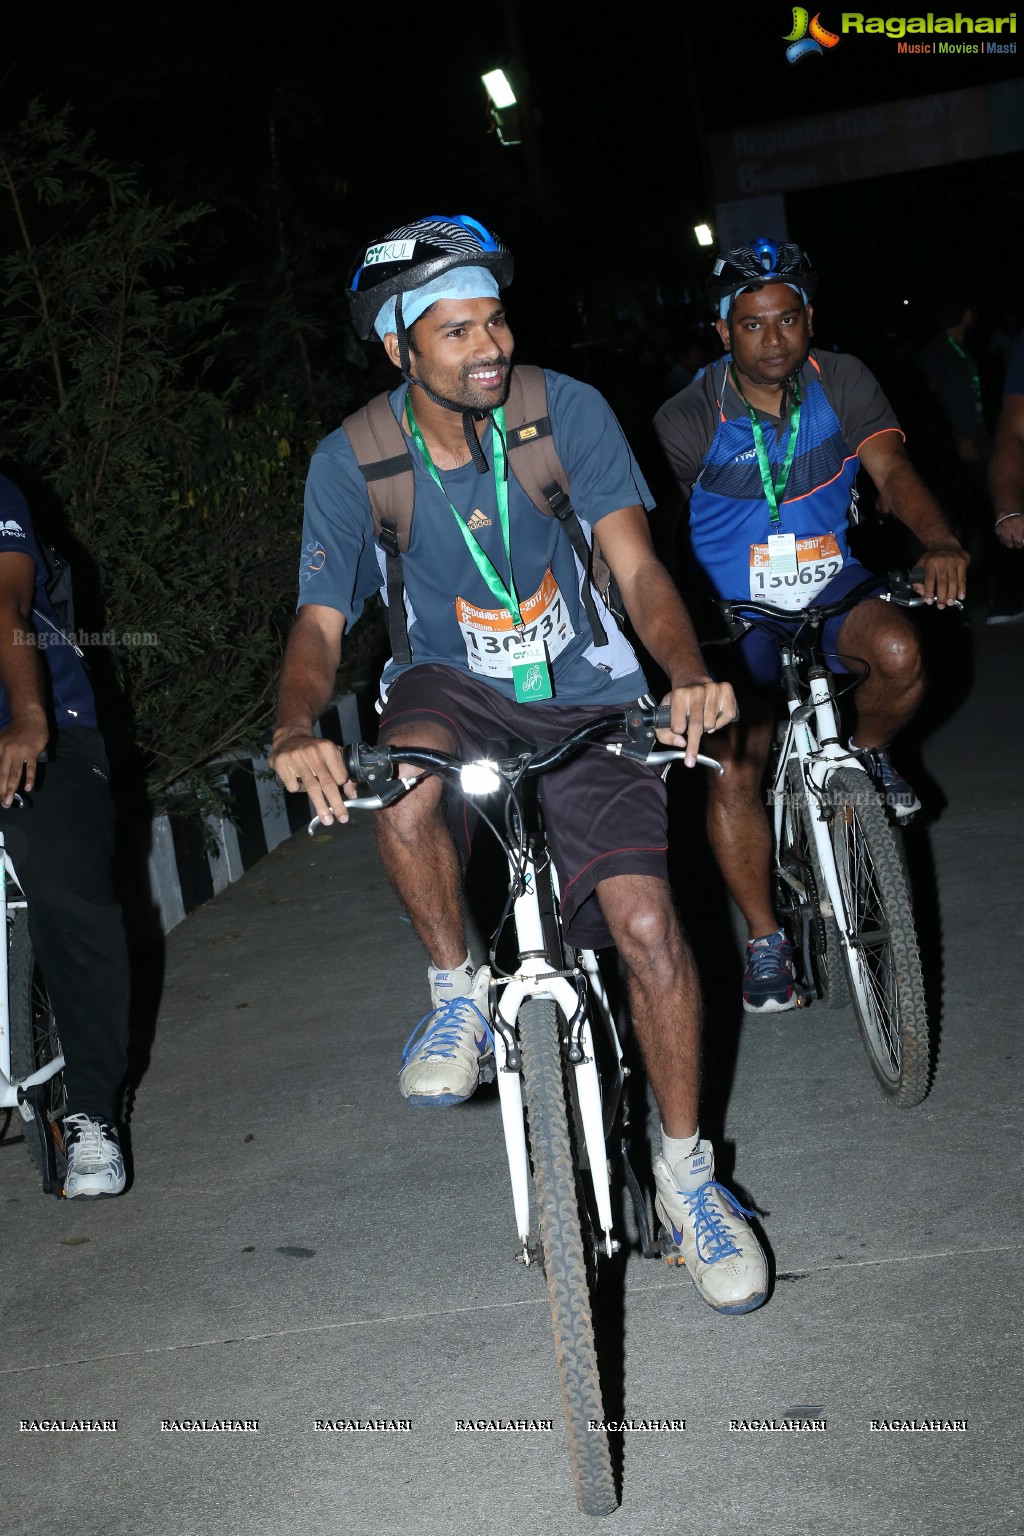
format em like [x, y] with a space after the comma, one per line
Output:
[707, 435]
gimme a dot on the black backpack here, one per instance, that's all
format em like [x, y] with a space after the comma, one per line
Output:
[381, 448]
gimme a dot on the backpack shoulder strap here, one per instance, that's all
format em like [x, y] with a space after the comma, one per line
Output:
[533, 458]
[379, 445]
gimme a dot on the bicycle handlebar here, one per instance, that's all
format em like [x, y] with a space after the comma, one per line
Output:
[378, 766]
[901, 592]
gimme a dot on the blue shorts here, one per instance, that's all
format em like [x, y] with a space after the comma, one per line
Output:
[752, 664]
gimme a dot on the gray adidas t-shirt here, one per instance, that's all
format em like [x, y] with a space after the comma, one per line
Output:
[342, 564]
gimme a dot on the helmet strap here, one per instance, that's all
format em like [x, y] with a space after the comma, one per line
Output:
[469, 414]
[791, 388]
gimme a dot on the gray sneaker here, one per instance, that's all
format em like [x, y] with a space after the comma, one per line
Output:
[452, 1046]
[95, 1164]
[704, 1227]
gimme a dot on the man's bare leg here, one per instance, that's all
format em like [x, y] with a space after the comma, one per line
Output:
[892, 690]
[703, 1228]
[738, 827]
[420, 858]
[664, 992]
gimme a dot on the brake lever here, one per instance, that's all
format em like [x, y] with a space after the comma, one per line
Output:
[676, 755]
[903, 594]
[393, 790]
[638, 751]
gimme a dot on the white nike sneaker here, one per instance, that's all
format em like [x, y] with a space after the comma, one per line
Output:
[704, 1228]
[95, 1164]
[452, 1047]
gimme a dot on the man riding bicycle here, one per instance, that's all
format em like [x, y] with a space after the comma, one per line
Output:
[766, 445]
[499, 633]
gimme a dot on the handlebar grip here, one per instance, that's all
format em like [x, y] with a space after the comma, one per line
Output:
[661, 717]
[367, 765]
[901, 583]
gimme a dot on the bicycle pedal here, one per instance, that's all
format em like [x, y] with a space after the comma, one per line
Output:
[669, 1252]
[487, 1072]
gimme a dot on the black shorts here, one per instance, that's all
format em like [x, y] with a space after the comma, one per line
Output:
[605, 815]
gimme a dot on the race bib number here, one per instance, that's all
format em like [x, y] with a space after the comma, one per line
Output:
[494, 647]
[789, 573]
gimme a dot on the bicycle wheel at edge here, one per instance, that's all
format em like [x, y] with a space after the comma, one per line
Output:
[34, 1039]
[565, 1268]
[884, 967]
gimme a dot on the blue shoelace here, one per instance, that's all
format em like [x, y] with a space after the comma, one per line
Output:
[769, 960]
[710, 1223]
[440, 1037]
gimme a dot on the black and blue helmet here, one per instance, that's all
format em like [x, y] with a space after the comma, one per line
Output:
[756, 265]
[417, 253]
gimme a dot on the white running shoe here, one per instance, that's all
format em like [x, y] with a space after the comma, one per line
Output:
[452, 1047]
[95, 1163]
[704, 1228]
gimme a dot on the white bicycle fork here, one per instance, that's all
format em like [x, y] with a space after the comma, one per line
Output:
[818, 757]
[533, 978]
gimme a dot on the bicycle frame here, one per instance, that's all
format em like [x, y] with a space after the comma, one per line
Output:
[12, 1091]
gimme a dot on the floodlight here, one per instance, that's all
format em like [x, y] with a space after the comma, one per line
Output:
[498, 89]
[704, 235]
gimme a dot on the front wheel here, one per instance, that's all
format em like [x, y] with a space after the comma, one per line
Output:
[565, 1267]
[34, 1043]
[882, 963]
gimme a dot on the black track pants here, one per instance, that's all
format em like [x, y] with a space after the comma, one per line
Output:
[62, 844]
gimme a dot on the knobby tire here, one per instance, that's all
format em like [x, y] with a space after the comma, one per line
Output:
[34, 1039]
[884, 970]
[565, 1266]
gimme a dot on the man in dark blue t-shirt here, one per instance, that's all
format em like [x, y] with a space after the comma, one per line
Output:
[57, 820]
[483, 563]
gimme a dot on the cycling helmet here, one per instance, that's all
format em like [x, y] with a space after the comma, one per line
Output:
[418, 253]
[754, 266]
[409, 258]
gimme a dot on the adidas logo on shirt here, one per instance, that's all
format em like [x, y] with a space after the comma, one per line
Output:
[478, 520]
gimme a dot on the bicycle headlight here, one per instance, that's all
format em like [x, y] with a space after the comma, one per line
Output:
[480, 778]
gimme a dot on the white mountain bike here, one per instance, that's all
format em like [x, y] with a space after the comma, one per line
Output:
[559, 1062]
[32, 1088]
[839, 882]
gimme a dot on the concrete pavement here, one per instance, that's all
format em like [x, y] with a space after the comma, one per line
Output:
[299, 1245]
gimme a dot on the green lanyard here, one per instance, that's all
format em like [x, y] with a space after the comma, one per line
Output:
[773, 489]
[972, 365]
[506, 595]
